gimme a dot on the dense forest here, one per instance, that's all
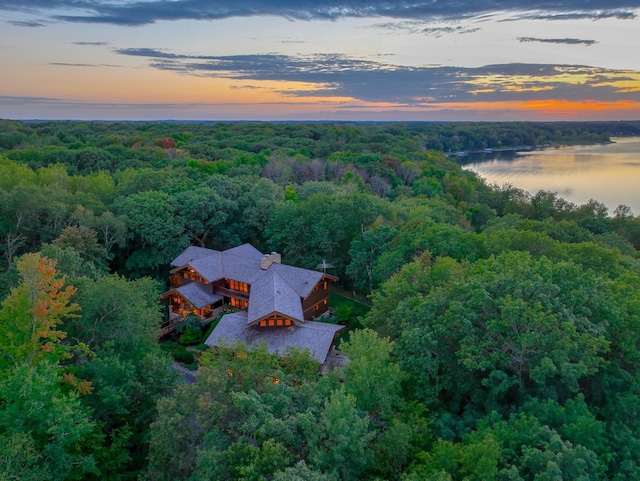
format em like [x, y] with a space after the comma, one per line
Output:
[500, 338]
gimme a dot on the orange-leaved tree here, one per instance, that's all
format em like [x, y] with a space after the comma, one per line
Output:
[32, 313]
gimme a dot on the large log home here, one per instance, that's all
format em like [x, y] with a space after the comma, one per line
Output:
[277, 302]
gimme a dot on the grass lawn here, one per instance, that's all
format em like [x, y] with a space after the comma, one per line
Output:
[348, 312]
[358, 308]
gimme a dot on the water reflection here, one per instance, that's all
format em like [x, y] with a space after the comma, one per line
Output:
[608, 173]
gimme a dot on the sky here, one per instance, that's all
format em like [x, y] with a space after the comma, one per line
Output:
[404, 60]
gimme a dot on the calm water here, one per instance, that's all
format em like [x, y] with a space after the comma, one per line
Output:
[608, 173]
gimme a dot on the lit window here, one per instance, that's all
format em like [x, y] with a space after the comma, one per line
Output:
[287, 322]
[279, 322]
[238, 286]
[271, 322]
[238, 303]
[263, 323]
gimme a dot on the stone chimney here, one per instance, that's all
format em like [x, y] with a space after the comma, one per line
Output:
[269, 259]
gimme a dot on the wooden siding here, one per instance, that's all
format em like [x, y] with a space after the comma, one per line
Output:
[317, 302]
[184, 277]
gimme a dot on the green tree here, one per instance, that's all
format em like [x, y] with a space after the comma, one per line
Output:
[422, 234]
[84, 241]
[21, 460]
[201, 210]
[372, 377]
[69, 263]
[338, 443]
[41, 415]
[365, 252]
[309, 231]
[118, 315]
[156, 235]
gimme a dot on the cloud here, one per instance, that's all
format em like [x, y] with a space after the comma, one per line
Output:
[10, 100]
[141, 12]
[335, 75]
[91, 44]
[578, 15]
[426, 28]
[65, 64]
[27, 24]
[90, 65]
[152, 53]
[567, 41]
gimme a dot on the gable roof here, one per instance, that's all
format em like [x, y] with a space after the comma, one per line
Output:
[270, 293]
[317, 337]
[245, 250]
[301, 280]
[197, 294]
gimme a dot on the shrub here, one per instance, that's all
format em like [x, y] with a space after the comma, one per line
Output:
[343, 313]
[178, 352]
[190, 336]
[192, 366]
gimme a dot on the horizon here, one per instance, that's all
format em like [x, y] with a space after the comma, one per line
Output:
[327, 61]
[314, 121]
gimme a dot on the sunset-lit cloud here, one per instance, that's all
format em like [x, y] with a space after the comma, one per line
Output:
[374, 81]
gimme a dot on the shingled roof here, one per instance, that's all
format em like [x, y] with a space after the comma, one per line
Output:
[197, 294]
[190, 254]
[316, 337]
[276, 289]
[271, 293]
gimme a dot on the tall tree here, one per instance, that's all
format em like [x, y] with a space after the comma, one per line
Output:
[338, 442]
[155, 234]
[32, 313]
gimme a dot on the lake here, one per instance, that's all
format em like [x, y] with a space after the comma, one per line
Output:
[608, 173]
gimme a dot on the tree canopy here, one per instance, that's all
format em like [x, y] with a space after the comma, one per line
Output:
[497, 334]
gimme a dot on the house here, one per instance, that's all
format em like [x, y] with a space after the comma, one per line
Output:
[277, 302]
